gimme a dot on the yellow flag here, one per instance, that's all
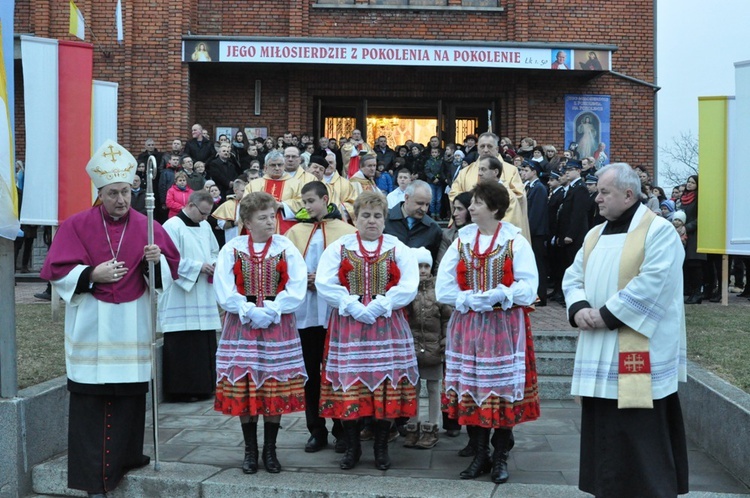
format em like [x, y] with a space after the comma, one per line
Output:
[76, 25]
[8, 196]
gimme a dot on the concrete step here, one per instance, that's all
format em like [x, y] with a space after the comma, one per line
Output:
[555, 363]
[546, 341]
[554, 386]
[192, 480]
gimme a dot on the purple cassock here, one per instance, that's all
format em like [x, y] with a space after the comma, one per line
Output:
[82, 240]
[106, 419]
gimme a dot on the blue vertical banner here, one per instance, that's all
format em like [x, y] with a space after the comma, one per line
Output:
[587, 126]
[8, 194]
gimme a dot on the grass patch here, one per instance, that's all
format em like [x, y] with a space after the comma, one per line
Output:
[40, 344]
[718, 339]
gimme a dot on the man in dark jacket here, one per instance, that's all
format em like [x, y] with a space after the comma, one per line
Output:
[408, 220]
[557, 183]
[224, 170]
[536, 201]
[573, 221]
[198, 147]
[385, 154]
[151, 150]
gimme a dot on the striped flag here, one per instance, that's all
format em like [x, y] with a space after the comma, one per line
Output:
[118, 21]
[76, 25]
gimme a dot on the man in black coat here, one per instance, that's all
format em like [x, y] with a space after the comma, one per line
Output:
[198, 147]
[408, 220]
[536, 202]
[224, 170]
[557, 183]
[573, 220]
[385, 154]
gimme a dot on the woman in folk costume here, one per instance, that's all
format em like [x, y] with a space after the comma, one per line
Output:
[490, 276]
[260, 280]
[370, 368]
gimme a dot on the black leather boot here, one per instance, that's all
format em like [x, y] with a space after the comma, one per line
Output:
[250, 433]
[270, 431]
[502, 441]
[382, 460]
[353, 447]
[482, 462]
[471, 447]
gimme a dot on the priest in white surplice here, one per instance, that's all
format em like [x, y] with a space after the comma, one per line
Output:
[188, 313]
[97, 263]
[624, 292]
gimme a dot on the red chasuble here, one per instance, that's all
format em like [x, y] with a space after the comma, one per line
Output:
[276, 189]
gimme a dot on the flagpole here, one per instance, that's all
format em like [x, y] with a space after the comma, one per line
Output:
[150, 205]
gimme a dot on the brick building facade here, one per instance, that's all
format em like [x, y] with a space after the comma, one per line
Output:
[161, 96]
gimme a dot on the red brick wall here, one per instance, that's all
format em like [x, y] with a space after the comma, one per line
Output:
[161, 97]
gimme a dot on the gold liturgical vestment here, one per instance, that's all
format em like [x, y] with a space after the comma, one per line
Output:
[517, 212]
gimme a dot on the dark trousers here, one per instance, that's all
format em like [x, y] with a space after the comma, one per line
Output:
[555, 267]
[539, 246]
[313, 340]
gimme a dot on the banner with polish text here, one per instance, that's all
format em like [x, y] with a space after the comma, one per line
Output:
[392, 54]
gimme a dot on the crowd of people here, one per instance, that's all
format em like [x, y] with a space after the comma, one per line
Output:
[338, 291]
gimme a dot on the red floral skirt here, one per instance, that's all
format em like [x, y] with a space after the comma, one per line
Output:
[359, 401]
[495, 411]
[273, 398]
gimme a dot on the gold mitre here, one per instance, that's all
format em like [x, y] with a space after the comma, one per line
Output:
[111, 163]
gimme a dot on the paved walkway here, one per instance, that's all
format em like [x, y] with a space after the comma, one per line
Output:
[546, 451]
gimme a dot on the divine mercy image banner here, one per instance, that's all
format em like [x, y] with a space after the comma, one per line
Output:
[587, 126]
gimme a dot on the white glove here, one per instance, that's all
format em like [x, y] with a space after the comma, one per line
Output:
[359, 312]
[499, 295]
[272, 309]
[479, 303]
[260, 318]
[377, 308]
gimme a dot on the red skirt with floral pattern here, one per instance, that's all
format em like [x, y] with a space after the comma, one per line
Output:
[358, 401]
[272, 398]
[495, 411]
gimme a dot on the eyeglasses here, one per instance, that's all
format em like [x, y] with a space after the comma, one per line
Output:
[205, 215]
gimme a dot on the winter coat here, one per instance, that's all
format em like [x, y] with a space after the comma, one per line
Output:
[428, 321]
[177, 199]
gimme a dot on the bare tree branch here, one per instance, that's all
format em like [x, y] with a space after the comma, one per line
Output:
[680, 158]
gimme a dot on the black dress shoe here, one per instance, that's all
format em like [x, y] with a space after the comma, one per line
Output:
[315, 444]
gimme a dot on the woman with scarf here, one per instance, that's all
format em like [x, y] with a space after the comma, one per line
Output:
[695, 262]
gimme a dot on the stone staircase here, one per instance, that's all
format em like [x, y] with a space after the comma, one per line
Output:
[555, 352]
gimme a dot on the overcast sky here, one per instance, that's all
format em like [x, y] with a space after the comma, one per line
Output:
[698, 43]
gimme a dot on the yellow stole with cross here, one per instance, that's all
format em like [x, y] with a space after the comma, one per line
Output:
[634, 371]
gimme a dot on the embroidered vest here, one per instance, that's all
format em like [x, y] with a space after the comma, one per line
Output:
[478, 277]
[264, 280]
[367, 280]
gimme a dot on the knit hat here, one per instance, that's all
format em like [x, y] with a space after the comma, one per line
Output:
[679, 215]
[459, 153]
[669, 204]
[423, 255]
